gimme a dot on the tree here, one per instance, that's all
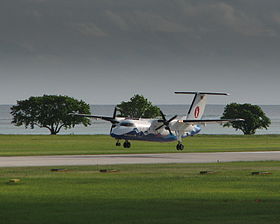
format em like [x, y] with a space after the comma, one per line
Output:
[49, 111]
[253, 115]
[138, 107]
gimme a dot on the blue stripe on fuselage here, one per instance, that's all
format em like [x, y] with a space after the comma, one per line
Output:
[135, 135]
[149, 137]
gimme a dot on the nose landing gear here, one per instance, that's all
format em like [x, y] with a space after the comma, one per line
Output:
[118, 143]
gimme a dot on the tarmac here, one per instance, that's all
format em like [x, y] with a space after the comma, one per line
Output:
[114, 159]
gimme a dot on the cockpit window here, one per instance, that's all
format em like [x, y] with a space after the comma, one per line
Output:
[127, 124]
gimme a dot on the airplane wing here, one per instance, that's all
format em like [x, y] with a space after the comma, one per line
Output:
[210, 121]
[110, 119]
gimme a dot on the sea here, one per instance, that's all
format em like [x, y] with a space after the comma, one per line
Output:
[100, 127]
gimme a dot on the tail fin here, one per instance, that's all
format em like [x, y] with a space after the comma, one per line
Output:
[198, 104]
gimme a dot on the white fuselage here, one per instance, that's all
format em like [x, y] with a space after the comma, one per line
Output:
[145, 129]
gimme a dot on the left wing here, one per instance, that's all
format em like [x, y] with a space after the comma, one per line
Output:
[110, 119]
[209, 121]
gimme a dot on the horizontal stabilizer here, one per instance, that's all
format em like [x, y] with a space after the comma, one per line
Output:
[203, 93]
[219, 121]
[197, 107]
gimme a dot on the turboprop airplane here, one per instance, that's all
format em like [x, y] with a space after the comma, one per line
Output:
[161, 130]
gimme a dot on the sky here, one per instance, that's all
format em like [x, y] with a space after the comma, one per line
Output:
[105, 51]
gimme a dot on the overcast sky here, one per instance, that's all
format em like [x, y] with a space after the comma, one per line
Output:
[105, 51]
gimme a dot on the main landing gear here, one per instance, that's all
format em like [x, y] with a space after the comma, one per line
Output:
[126, 144]
[179, 146]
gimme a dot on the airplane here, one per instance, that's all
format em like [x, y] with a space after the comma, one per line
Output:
[162, 130]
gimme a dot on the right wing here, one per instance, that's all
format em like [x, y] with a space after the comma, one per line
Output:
[210, 121]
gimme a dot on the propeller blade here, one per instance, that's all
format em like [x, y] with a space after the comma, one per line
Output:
[168, 128]
[159, 127]
[162, 115]
[165, 122]
[171, 119]
[115, 112]
[114, 121]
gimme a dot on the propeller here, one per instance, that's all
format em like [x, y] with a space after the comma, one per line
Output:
[113, 119]
[114, 114]
[165, 122]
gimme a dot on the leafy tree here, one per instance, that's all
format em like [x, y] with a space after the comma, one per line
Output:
[253, 115]
[49, 111]
[138, 106]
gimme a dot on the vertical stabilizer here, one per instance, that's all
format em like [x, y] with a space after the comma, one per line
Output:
[197, 107]
[198, 104]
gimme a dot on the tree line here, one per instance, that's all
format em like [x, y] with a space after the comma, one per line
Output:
[53, 112]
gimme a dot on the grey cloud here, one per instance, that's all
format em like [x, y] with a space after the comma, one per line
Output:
[217, 13]
[90, 30]
[155, 23]
[117, 19]
[276, 17]
[177, 43]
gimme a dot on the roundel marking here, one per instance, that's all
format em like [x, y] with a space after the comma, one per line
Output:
[196, 112]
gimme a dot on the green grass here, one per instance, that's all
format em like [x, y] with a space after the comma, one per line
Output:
[142, 194]
[11, 145]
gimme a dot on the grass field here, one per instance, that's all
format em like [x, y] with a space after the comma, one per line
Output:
[142, 194]
[11, 145]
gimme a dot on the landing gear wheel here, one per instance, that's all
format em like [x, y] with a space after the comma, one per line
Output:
[118, 143]
[180, 146]
[126, 144]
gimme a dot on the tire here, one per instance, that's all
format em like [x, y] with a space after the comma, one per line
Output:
[180, 147]
[126, 144]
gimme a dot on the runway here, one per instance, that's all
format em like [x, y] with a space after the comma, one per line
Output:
[114, 159]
